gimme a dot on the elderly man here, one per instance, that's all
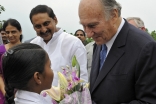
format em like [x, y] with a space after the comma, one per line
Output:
[59, 45]
[137, 22]
[123, 66]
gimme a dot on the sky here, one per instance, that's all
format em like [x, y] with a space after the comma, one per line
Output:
[66, 12]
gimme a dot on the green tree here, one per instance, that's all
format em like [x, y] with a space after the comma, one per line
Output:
[153, 34]
[71, 33]
[2, 9]
[147, 30]
[89, 40]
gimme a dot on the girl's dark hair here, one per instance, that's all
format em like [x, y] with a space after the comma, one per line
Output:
[19, 64]
[42, 9]
[80, 30]
[15, 23]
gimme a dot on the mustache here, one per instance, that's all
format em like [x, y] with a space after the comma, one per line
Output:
[45, 33]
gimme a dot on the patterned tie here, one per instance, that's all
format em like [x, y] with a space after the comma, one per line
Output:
[103, 55]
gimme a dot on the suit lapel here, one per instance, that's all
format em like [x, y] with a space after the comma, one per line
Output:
[95, 65]
[110, 61]
[114, 55]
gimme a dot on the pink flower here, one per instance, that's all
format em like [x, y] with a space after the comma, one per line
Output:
[74, 77]
[64, 72]
[44, 94]
[70, 86]
[53, 101]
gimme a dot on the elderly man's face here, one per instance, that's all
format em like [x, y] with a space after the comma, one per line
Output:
[94, 22]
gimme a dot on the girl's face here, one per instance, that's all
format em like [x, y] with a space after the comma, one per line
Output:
[41, 81]
[13, 34]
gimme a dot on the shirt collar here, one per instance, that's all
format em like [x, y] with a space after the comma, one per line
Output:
[31, 96]
[55, 35]
[110, 43]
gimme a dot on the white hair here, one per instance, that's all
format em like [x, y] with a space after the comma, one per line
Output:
[138, 21]
[109, 5]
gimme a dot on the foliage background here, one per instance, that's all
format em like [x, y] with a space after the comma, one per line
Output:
[2, 9]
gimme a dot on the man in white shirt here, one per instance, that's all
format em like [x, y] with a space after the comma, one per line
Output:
[89, 48]
[59, 45]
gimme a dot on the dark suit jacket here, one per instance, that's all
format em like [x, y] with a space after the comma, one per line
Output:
[128, 75]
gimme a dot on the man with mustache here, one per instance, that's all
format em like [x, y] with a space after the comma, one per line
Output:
[81, 35]
[4, 36]
[124, 57]
[59, 45]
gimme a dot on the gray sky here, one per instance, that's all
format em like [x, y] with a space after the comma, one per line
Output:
[67, 13]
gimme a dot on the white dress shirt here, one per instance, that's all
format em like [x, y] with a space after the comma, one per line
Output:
[61, 48]
[110, 43]
[26, 97]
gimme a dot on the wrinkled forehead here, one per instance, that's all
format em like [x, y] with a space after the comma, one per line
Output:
[89, 4]
[90, 7]
[90, 11]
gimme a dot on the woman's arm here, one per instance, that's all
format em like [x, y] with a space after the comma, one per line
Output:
[2, 85]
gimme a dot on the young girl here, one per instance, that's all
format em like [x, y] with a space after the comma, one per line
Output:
[26, 68]
[13, 31]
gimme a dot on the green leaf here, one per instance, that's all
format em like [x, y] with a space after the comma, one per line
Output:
[76, 64]
[153, 34]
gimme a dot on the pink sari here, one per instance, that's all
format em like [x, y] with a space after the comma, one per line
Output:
[2, 50]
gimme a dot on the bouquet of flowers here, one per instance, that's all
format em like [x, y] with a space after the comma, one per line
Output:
[71, 89]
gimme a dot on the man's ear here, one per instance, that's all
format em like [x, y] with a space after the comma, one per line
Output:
[20, 31]
[55, 19]
[37, 78]
[114, 15]
[143, 28]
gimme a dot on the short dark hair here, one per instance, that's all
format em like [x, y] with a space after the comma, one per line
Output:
[42, 9]
[80, 30]
[15, 23]
[19, 64]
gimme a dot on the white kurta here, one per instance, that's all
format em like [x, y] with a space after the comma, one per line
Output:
[26, 97]
[61, 48]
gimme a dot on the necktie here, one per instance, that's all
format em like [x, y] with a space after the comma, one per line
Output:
[103, 53]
